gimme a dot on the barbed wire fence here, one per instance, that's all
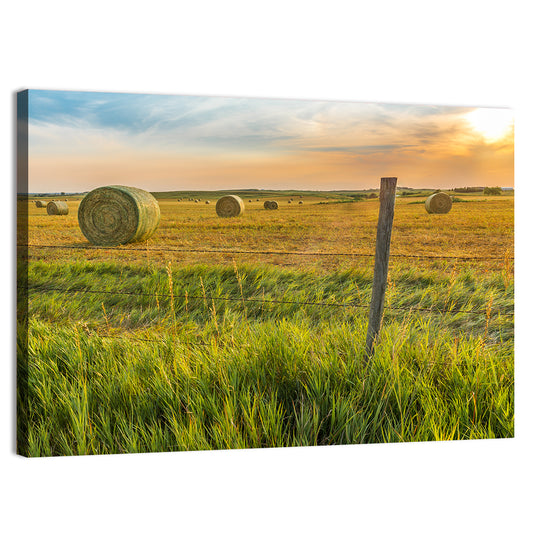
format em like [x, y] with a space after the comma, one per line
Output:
[488, 311]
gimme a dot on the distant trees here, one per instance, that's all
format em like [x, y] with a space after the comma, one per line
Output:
[468, 189]
[492, 191]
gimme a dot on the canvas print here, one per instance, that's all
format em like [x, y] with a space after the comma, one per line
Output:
[210, 273]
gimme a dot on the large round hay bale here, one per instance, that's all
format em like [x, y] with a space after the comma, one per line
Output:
[230, 206]
[40, 203]
[57, 208]
[438, 203]
[113, 215]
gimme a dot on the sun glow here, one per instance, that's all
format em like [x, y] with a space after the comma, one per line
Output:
[493, 124]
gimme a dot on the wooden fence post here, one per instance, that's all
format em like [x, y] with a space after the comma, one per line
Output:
[387, 196]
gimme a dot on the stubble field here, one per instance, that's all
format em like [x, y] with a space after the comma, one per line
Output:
[250, 332]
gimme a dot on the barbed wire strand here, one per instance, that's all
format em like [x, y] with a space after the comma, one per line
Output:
[263, 301]
[83, 247]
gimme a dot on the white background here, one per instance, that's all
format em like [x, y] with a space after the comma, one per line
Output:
[453, 52]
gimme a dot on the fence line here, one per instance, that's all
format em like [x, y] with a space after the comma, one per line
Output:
[260, 252]
[41, 288]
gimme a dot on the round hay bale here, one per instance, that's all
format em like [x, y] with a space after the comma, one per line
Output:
[57, 208]
[289, 202]
[270, 204]
[230, 206]
[196, 201]
[438, 203]
[113, 215]
[300, 202]
[40, 203]
[249, 201]
[207, 202]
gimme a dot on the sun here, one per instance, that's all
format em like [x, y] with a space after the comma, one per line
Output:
[492, 123]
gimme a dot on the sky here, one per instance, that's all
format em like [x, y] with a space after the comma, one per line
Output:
[82, 140]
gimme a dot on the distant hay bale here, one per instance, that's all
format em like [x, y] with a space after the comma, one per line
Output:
[270, 204]
[289, 202]
[57, 208]
[250, 201]
[196, 201]
[438, 203]
[300, 202]
[116, 214]
[207, 202]
[230, 206]
[40, 203]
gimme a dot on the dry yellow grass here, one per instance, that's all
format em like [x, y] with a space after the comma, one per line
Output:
[478, 227]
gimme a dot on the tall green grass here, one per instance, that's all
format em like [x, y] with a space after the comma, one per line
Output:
[111, 373]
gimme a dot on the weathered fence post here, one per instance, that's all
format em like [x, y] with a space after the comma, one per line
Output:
[387, 195]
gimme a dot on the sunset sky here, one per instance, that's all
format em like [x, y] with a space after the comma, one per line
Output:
[82, 140]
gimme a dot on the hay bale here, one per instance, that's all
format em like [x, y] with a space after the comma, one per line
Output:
[270, 204]
[117, 214]
[438, 203]
[57, 208]
[230, 206]
[40, 203]
[300, 203]
[207, 202]
[289, 202]
[249, 201]
[196, 201]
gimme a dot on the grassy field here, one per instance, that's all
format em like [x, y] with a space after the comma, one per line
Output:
[184, 344]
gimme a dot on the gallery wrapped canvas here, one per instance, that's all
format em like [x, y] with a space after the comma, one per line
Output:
[235, 273]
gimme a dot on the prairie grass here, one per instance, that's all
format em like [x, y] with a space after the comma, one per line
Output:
[196, 352]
